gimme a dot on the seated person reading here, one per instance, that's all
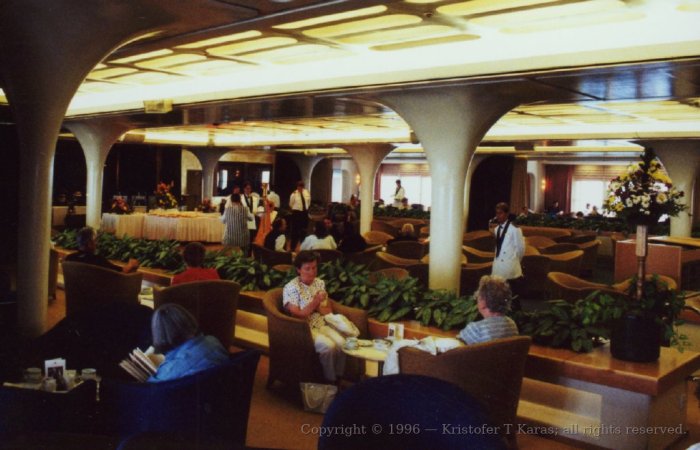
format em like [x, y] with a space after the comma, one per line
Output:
[407, 233]
[87, 245]
[493, 300]
[187, 351]
[305, 297]
[194, 258]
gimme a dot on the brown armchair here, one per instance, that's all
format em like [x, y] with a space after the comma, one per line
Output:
[327, 255]
[375, 237]
[491, 372]
[569, 262]
[380, 225]
[213, 303]
[559, 248]
[563, 286]
[407, 249]
[476, 256]
[535, 270]
[385, 260]
[88, 285]
[293, 358]
[270, 257]
[482, 240]
[539, 242]
[421, 272]
[590, 256]
[470, 276]
[365, 257]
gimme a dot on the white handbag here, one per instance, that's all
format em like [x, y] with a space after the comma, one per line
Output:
[317, 397]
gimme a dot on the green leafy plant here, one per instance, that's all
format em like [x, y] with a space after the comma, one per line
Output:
[67, 239]
[346, 282]
[391, 299]
[390, 211]
[446, 310]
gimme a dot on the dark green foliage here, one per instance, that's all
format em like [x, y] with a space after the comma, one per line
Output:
[390, 211]
[391, 299]
[446, 310]
[589, 223]
[67, 239]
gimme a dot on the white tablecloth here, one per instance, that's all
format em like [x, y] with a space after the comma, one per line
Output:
[204, 227]
[173, 225]
[121, 224]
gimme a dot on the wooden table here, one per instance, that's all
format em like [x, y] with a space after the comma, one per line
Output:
[369, 354]
[597, 399]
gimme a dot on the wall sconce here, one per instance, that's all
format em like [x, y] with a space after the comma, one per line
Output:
[265, 177]
[357, 179]
[544, 184]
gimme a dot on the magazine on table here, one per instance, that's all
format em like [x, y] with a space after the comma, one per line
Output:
[141, 365]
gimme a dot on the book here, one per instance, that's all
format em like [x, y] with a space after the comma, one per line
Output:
[142, 365]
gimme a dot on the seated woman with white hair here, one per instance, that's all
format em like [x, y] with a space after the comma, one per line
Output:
[493, 299]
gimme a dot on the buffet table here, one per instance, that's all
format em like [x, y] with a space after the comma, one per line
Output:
[177, 225]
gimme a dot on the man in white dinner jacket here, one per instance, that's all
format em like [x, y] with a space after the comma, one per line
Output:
[510, 248]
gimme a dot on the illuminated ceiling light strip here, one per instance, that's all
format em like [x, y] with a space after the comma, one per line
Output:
[483, 6]
[113, 72]
[250, 46]
[689, 6]
[129, 59]
[424, 42]
[420, 2]
[332, 18]
[547, 13]
[221, 39]
[294, 53]
[408, 33]
[168, 61]
[359, 26]
[581, 20]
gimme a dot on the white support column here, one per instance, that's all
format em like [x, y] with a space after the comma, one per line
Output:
[209, 158]
[682, 161]
[450, 123]
[43, 60]
[368, 158]
[96, 137]
[306, 166]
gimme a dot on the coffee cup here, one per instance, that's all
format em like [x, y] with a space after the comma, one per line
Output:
[49, 385]
[32, 375]
[88, 374]
[351, 343]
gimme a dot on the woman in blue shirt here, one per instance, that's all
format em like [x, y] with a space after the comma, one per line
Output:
[176, 335]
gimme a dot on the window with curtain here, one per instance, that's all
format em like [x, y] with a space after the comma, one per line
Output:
[415, 179]
[337, 186]
[587, 192]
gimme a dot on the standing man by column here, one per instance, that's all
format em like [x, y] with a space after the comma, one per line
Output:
[251, 200]
[510, 248]
[399, 195]
[299, 204]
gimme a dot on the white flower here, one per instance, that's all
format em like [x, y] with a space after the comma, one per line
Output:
[629, 203]
[635, 200]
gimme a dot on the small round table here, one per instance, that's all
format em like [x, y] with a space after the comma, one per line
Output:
[369, 354]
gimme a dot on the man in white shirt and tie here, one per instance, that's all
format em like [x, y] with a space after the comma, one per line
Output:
[510, 248]
[399, 195]
[299, 203]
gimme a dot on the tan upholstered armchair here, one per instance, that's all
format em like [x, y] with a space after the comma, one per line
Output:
[407, 249]
[293, 358]
[563, 286]
[375, 237]
[476, 256]
[87, 286]
[213, 303]
[470, 276]
[385, 260]
[270, 257]
[491, 372]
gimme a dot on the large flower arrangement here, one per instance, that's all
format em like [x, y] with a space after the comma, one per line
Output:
[206, 206]
[644, 193]
[164, 198]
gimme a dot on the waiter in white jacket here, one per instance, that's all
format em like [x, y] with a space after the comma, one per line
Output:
[510, 248]
[251, 201]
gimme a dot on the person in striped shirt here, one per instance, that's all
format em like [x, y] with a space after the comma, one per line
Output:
[493, 300]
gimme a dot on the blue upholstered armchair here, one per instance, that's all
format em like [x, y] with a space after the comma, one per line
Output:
[212, 404]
